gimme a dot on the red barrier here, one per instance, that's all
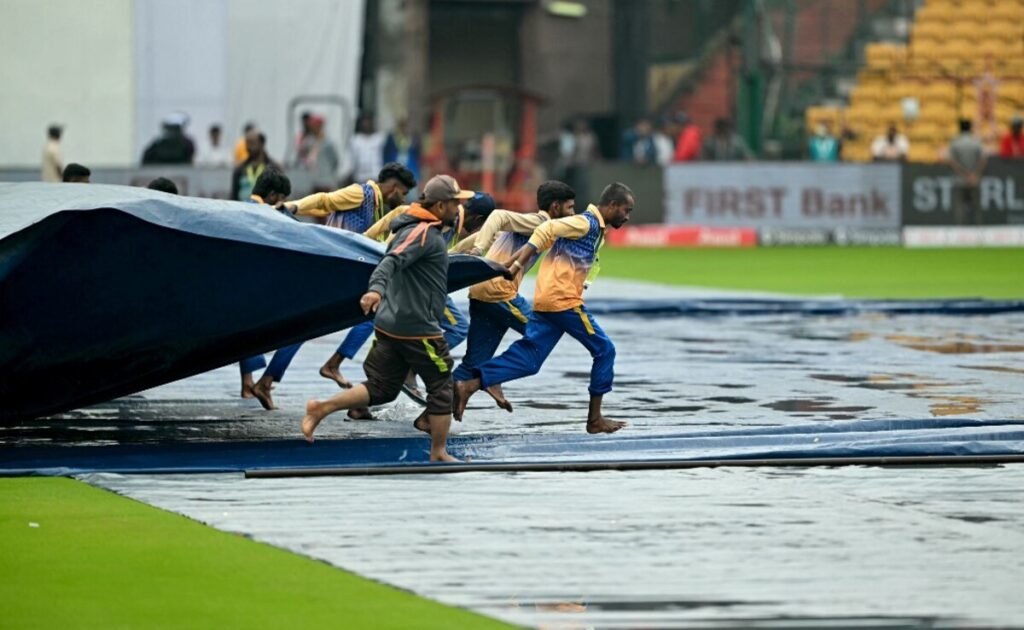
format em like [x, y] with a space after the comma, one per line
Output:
[682, 236]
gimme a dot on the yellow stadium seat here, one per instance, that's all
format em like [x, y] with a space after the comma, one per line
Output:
[816, 115]
[938, 113]
[960, 49]
[941, 12]
[965, 30]
[871, 93]
[918, 151]
[929, 30]
[1006, 11]
[925, 49]
[882, 56]
[993, 47]
[937, 91]
[856, 151]
[1003, 29]
[1011, 93]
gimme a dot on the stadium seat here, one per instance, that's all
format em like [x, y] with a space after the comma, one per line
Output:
[929, 30]
[952, 43]
[923, 152]
[857, 151]
[815, 115]
[937, 92]
[869, 94]
[965, 30]
[939, 12]
[1010, 11]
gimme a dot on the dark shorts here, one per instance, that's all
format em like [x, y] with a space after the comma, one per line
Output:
[390, 360]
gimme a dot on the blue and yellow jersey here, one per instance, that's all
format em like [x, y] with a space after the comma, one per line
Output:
[574, 242]
[381, 230]
[354, 208]
[500, 237]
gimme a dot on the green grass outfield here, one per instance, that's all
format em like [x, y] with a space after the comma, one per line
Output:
[98, 560]
[872, 272]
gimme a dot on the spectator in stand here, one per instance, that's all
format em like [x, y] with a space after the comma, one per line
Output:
[173, 146]
[214, 155]
[638, 145]
[241, 154]
[664, 141]
[967, 159]
[1011, 147]
[823, 146]
[367, 149]
[577, 149]
[891, 147]
[689, 140]
[245, 175]
[163, 185]
[76, 174]
[403, 147]
[53, 161]
[320, 155]
[725, 145]
[302, 145]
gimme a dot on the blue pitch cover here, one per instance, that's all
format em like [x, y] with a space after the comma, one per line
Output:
[110, 290]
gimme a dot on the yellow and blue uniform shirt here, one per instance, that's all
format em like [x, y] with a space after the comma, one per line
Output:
[572, 262]
[354, 208]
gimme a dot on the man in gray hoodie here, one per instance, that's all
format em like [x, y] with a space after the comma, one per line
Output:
[407, 292]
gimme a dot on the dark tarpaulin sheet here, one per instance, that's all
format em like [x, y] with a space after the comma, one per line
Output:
[110, 290]
[710, 307]
[865, 438]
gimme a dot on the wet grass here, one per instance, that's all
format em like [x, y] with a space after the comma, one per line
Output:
[74, 556]
[869, 272]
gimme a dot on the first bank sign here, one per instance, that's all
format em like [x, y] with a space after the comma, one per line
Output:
[797, 195]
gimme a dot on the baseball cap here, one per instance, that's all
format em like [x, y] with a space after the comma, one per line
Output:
[480, 204]
[176, 119]
[444, 188]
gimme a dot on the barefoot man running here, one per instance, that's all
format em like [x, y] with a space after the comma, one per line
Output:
[558, 307]
[407, 292]
[495, 305]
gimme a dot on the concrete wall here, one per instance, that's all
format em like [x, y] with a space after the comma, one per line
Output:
[569, 62]
[70, 62]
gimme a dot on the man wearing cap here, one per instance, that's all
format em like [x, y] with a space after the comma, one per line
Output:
[173, 146]
[558, 307]
[495, 305]
[471, 216]
[407, 293]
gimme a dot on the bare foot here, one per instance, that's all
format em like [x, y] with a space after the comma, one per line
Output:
[332, 373]
[442, 457]
[261, 391]
[247, 384]
[464, 390]
[499, 397]
[603, 425]
[314, 414]
[360, 413]
[422, 423]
